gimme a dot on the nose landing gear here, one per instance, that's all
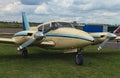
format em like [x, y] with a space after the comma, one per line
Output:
[79, 57]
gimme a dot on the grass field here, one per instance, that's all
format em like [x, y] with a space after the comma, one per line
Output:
[54, 64]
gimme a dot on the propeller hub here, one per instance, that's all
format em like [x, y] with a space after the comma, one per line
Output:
[111, 36]
[39, 35]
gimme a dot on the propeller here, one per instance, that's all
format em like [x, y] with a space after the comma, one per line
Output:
[110, 36]
[37, 35]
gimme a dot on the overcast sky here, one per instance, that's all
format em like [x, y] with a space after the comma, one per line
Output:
[84, 11]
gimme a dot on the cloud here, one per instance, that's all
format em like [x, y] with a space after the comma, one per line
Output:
[42, 9]
[79, 10]
[32, 2]
[54, 7]
[11, 6]
[63, 3]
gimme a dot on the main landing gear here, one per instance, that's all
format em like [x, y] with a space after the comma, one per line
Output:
[25, 53]
[79, 57]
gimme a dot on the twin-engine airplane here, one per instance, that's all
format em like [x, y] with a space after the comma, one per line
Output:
[57, 35]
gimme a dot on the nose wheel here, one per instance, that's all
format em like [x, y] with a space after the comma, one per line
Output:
[79, 57]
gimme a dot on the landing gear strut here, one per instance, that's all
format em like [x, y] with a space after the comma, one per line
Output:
[79, 57]
[25, 53]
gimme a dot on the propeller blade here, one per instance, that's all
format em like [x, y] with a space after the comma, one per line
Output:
[27, 43]
[103, 43]
[37, 36]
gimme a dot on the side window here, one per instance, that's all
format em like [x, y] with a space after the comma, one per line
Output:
[40, 28]
[55, 25]
[46, 27]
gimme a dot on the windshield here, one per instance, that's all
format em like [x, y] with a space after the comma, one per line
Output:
[61, 24]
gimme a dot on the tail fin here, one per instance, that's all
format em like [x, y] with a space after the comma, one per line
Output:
[26, 25]
[117, 30]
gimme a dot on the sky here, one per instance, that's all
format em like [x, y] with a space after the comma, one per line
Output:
[83, 11]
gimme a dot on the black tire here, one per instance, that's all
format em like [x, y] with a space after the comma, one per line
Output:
[25, 53]
[79, 59]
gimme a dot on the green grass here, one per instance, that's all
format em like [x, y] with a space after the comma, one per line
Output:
[54, 64]
[10, 25]
[6, 35]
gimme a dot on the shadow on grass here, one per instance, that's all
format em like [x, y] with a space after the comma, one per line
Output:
[44, 54]
[41, 55]
[106, 53]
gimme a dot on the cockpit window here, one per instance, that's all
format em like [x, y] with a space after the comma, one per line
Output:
[40, 28]
[61, 24]
[46, 27]
[53, 25]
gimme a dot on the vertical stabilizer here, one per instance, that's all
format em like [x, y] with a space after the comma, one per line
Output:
[25, 22]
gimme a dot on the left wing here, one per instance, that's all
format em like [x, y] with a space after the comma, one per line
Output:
[7, 40]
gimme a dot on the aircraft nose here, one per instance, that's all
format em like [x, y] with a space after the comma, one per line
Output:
[88, 37]
[82, 35]
[85, 38]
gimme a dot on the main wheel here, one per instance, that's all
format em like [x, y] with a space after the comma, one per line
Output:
[25, 53]
[79, 59]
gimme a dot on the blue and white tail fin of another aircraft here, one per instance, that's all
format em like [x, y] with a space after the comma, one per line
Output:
[25, 22]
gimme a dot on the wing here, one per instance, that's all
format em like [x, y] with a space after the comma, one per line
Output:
[7, 40]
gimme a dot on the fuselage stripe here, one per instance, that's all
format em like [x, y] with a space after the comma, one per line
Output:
[70, 36]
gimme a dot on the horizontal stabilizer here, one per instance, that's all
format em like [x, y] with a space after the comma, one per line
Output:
[7, 40]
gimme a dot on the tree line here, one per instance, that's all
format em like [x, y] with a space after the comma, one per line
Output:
[15, 24]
